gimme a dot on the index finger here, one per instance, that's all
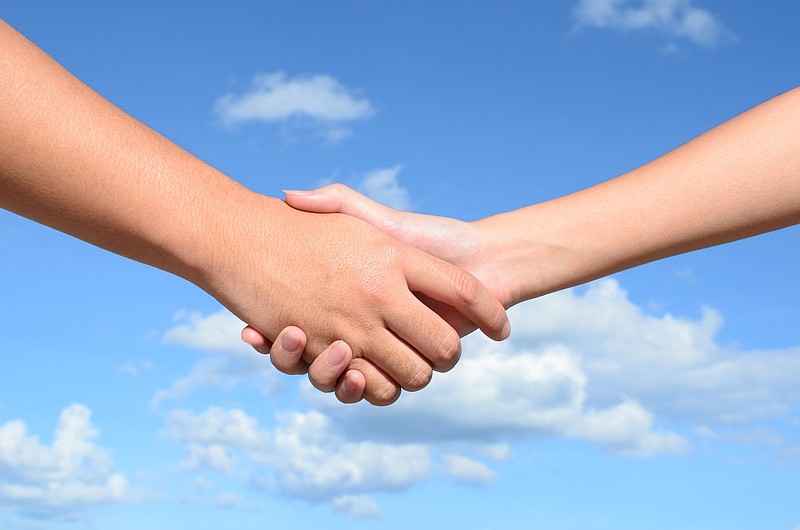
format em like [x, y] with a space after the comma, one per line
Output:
[459, 289]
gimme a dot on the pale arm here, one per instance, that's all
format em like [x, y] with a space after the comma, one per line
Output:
[737, 180]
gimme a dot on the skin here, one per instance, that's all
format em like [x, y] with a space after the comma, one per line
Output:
[73, 161]
[738, 180]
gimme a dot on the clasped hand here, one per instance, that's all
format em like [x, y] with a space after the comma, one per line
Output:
[374, 364]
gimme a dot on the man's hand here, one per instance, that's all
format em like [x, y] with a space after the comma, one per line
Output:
[462, 244]
[337, 278]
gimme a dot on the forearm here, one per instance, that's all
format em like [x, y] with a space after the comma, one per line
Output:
[738, 180]
[72, 160]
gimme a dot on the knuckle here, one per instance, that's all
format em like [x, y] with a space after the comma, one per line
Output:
[419, 379]
[383, 394]
[336, 189]
[448, 352]
[320, 383]
[466, 287]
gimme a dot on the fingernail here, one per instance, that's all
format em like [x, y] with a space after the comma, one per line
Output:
[298, 192]
[350, 384]
[290, 343]
[506, 332]
[335, 355]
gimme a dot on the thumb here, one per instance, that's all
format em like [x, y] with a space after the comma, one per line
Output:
[338, 198]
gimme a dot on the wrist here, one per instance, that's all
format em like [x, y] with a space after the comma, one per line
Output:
[541, 249]
[210, 238]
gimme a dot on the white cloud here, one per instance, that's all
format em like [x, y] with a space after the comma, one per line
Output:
[356, 506]
[317, 100]
[303, 456]
[495, 451]
[626, 352]
[227, 500]
[60, 480]
[676, 19]
[497, 393]
[750, 436]
[589, 364]
[467, 469]
[382, 185]
[585, 364]
[217, 333]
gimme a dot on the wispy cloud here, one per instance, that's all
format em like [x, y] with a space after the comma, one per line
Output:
[60, 480]
[316, 101]
[678, 20]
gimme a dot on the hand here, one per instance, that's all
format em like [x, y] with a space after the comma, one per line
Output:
[337, 278]
[466, 245]
[469, 246]
[325, 373]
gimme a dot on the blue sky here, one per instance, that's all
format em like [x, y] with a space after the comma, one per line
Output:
[664, 397]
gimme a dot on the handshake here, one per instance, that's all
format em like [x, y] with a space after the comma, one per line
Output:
[419, 317]
[366, 299]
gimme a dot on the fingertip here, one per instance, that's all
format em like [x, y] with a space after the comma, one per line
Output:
[506, 331]
[286, 352]
[351, 387]
[291, 340]
[256, 340]
[338, 354]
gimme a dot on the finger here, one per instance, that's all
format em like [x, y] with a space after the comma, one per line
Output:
[401, 363]
[324, 372]
[254, 338]
[287, 351]
[454, 319]
[338, 198]
[459, 289]
[380, 389]
[426, 334]
[351, 386]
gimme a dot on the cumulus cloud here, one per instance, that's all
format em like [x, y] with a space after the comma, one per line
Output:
[590, 364]
[217, 332]
[356, 506]
[319, 101]
[62, 479]
[676, 19]
[302, 456]
[383, 186]
[467, 469]
[627, 352]
[230, 362]
[497, 393]
[585, 364]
